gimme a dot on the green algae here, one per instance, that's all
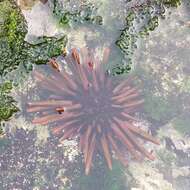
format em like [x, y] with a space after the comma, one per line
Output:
[14, 50]
[12, 33]
[151, 25]
[172, 3]
[45, 48]
[7, 103]
[140, 22]
[136, 28]
[86, 13]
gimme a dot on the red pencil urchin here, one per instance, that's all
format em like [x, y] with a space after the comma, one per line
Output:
[89, 104]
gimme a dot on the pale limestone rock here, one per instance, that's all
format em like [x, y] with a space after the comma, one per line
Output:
[40, 21]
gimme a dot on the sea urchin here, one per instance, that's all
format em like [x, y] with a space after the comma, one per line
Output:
[85, 102]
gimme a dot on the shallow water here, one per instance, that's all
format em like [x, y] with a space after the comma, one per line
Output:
[31, 158]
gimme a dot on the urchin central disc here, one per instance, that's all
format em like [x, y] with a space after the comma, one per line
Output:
[97, 105]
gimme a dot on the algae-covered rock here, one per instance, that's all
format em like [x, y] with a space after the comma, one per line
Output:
[162, 66]
[172, 3]
[69, 12]
[139, 23]
[7, 103]
[45, 48]
[141, 20]
[14, 50]
[12, 33]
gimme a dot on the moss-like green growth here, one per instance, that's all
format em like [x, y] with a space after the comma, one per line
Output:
[151, 25]
[13, 25]
[127, 43]
[181, 124]
[7, 103]
[14, 50]
[139, 23]
[87, 13]
[121, 69]
[172, 3]
[127, 39]
[12, 32]
[45, 48]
